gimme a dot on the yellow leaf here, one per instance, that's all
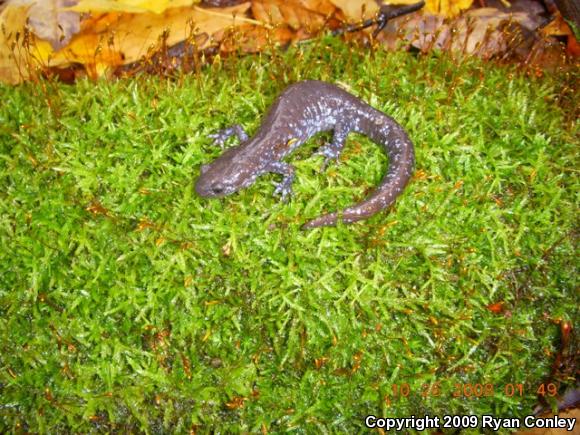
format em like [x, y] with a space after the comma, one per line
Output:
[133, 6]
[352, 9]
[19, 49]
[402, 2]
[119, 38]
[356, 10]
[12, 21]
[447, 8]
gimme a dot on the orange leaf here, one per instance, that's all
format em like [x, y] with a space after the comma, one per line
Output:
[310, 14]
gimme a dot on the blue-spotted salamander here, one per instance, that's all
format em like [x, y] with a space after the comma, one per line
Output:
[301, 111]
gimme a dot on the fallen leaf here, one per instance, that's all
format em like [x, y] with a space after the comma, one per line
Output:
[120, 38]
[447, 8]
[357, 10]
[556, 27]
[51, 21]
[107, 40]
[486, 32]
[363, 9]
[559, 27]
[16, 43]
[310, 14]
[133, 6]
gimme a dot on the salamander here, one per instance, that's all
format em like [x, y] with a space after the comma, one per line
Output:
[301, 111]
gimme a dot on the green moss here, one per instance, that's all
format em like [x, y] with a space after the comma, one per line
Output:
[128, 303]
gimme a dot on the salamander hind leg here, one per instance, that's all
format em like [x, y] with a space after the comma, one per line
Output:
[221, 136]
[331, 151]
[284, 188]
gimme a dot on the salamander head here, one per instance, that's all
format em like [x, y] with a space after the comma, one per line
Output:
[225, 175]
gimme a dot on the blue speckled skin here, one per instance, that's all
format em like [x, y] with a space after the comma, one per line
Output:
[301, 111]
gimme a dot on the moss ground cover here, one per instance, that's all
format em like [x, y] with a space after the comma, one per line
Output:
[128, 303]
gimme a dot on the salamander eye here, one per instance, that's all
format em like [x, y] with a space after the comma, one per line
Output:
[217, 189]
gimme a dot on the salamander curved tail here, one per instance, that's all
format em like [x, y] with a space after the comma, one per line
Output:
[401, 163]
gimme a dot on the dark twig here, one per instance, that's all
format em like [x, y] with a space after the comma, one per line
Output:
[386, 13]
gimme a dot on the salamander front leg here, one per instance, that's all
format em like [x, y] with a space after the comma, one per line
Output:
[222, 135]
[284, 188]
[332, 150]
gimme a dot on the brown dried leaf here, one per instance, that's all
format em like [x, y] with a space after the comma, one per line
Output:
[557, 27]
[310, 14]
[485, 32]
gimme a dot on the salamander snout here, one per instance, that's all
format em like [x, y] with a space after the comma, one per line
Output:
[224, 176]
[210, 188]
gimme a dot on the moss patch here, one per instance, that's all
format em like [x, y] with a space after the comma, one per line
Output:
[128, 303]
